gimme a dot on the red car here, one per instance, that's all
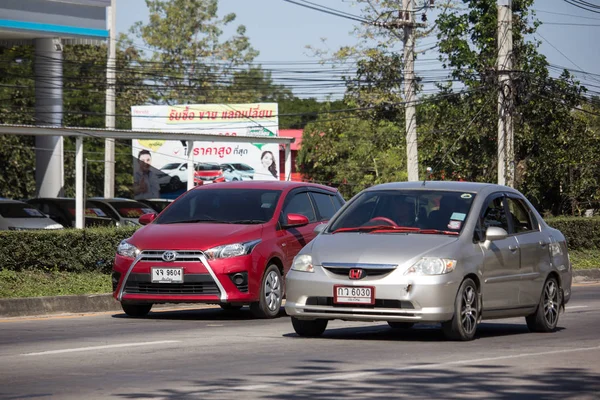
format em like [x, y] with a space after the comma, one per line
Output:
[227, 244]
[208, 173]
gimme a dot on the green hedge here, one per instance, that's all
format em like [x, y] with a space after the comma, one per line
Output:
[582, 233]
[69, 250]
[93, 249]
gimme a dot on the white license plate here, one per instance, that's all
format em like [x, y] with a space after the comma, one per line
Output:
[167, 275]
[353, 295]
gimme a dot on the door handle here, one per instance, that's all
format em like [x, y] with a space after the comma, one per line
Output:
[513, 248]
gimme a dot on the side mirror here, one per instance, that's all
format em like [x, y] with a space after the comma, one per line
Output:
[494, 233]
[295, 221]
[319, 228]
[145, 219]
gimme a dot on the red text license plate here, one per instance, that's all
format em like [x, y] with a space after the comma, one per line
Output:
[354, 295]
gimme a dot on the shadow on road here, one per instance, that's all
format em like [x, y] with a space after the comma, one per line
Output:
[190, 314]
[313, 379]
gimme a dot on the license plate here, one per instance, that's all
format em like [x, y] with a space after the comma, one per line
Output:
[353, 295]
[167, 275]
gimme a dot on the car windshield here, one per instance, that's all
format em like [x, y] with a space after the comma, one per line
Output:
[130, 209]
[171, 166]
[233, 206]
[242, 167]
[18, 210]
[406, 211]
[208, 167]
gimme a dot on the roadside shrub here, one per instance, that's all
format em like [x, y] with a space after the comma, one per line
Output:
[582, 233]
[69, 250]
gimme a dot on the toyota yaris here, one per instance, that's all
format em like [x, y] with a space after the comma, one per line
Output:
[447, 252]
[227, 244]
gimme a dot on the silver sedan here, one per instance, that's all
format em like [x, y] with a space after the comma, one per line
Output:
[449, 252]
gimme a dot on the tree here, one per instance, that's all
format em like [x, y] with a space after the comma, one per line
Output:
[543, 118]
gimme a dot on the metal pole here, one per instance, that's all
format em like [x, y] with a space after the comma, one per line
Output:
[412, 157]
[49, 162]
[190, 165]
[79, 183]
[288, 162]
[109, 144]
[506, 163]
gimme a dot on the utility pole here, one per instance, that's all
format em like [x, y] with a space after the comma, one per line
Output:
[412, 155]
[506, 156]
[109, 145]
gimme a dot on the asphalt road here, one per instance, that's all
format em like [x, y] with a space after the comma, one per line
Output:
[209, 354]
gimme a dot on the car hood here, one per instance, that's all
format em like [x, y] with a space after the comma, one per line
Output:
[370, 248]
[192, 236]
[31, 223]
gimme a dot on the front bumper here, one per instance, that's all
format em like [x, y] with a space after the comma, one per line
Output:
[397, 297]
[204, 281]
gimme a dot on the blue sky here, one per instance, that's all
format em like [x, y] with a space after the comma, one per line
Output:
[281, 31]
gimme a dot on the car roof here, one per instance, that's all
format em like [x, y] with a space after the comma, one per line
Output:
[258, 184]
[475, 187]
[3, 200]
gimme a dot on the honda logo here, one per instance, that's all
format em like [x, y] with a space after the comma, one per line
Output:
[355, 274]
[169, 256]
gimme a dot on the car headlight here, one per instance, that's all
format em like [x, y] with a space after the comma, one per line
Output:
[126, 249]
[432, 266]
[54, 226]
[231, 250]
[303, 263]
[128, 222]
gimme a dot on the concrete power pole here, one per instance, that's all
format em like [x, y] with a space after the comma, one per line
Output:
[506, 157]
[412, 155]
[109, 145]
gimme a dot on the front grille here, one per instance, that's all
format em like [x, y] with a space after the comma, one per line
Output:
[366, 272]
[182, 256]
[379, 303]
[202, 284]
[368, 269]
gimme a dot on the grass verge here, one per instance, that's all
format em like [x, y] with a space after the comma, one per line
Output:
[585, 259]
[36, 283]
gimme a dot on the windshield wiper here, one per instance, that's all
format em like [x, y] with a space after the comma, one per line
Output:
[247, 221]
[375, 228]
[438, 232]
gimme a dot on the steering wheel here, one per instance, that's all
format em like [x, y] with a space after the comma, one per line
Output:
[382, 219]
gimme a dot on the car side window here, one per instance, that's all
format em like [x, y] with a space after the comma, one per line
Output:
[301, 204]
[520, 215]
[493, 215]
[325, 205]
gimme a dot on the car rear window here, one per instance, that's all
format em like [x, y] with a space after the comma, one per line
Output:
[208, 167]
[132, 209]
[239, 206]
[17, 210]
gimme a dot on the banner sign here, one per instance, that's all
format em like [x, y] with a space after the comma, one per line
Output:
[160, 166]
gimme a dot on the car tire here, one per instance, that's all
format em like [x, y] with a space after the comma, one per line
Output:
[400, 325]
[545, 317]
[174, 183]
[309, 328]
[270, 294]
[463, 324]
[136, 310]
[230, 307]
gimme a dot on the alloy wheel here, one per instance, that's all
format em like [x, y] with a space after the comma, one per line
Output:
[273, 291]
[551, 303]
[468, 310]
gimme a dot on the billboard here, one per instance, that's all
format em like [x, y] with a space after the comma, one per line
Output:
[160, 166]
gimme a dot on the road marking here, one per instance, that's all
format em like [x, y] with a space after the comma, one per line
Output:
[91, 348]
[574, 307]
[344, 376]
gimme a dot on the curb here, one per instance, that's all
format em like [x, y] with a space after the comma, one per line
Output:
[52, 305]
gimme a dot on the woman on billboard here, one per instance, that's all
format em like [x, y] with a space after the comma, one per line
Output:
[268, 171]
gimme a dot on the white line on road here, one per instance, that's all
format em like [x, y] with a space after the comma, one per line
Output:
[91, 348]
[574, 307]
[343, 376]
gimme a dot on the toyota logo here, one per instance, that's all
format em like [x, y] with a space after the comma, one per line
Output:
[169, 256]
